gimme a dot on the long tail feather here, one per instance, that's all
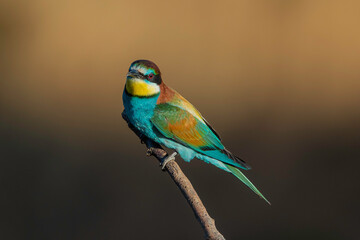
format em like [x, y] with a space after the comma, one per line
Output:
[245, 180]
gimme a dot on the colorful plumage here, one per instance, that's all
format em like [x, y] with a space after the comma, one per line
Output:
[163, 115]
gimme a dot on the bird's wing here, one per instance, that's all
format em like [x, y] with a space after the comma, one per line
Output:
[181, 122]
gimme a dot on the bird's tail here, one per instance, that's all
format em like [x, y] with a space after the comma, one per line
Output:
[246, 181]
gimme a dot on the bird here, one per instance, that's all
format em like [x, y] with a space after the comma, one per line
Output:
[167, 118]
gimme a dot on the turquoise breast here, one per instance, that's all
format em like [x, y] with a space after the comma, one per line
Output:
[139, 111]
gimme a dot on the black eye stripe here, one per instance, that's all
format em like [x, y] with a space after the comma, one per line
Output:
[156, 78]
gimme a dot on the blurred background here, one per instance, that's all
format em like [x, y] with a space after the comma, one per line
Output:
[279, 80]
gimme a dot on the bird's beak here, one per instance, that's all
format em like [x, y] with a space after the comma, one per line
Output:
[133, 74]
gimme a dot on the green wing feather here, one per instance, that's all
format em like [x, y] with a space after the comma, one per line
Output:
[180, 121]
[183, 127]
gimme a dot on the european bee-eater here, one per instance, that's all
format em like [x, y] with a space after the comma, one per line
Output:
[163, 115]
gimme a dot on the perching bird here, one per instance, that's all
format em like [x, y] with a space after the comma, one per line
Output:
[164, 116]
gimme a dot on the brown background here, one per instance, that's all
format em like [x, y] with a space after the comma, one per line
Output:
[279, 80]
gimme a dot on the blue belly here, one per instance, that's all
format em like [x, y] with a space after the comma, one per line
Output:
[139, 112]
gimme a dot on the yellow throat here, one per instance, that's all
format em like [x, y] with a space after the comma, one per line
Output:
[140, 88]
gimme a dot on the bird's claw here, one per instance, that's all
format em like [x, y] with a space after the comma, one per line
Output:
[149, 151]
[167, 160]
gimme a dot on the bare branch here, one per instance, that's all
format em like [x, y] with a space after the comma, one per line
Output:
[185, 186]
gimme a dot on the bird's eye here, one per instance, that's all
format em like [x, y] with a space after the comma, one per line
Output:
[150, 76]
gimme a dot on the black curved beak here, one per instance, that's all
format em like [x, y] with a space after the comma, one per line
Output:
[134, 74]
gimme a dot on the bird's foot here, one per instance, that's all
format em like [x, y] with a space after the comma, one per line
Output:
[149, 152]
[167, 160]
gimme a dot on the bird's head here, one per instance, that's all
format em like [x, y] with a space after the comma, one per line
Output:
[143, 79]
